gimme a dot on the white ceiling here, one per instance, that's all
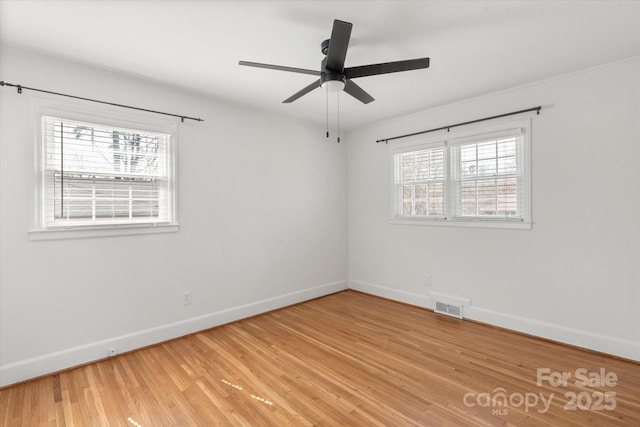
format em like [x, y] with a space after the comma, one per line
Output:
[476, 47]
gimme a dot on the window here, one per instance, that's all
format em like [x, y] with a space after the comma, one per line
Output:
[420, 182]
[479, 179]
[96, 176]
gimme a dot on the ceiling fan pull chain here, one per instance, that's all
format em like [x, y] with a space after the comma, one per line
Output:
[326, 92]
[338, 111]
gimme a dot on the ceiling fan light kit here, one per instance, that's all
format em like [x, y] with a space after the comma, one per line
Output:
[333, 82]
[334, 75]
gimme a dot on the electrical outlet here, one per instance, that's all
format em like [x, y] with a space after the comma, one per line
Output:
[427, 280]
[112, 352]
[186, 298]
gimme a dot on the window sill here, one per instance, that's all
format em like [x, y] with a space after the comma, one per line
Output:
[506, 224]
[63, 233]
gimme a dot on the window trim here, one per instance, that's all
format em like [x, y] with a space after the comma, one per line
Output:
[452, 139]
[108, 116]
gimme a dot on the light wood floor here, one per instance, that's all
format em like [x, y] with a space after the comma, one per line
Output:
[347, 359]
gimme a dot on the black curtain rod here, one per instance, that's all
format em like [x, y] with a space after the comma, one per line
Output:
[536, 109]
[20, 88]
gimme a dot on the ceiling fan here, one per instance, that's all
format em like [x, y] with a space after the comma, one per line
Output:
[333, 75]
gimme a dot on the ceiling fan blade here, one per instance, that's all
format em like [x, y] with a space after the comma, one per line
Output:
[302, 92]
[357, 92]
[279, 68]
[338, 44]
[387, 67]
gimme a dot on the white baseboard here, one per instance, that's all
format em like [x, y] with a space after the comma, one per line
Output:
[577, 337]
[580, 338]
[42, 365]
[393, 294]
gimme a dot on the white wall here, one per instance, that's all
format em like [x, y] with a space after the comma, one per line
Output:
[575, 277]
[262, 212]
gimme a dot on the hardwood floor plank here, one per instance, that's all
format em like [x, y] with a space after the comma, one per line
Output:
[347, 359]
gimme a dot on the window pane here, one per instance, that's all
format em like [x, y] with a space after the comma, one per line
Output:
[407, 208]
[436, 199]
[408, 167]
[421, 207]
[507, 147]
[468, 198]
[489, 197]
[487, 150]
[469, 169]
[507, 190]
[486, 197]
[436, 166]
[507, 166]
[422, 165]
[468, 153]
[407, 191]
[487, 167]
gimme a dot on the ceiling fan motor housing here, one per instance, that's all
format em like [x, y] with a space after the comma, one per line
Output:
[324, 47]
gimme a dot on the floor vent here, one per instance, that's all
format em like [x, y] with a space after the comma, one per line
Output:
[448, 309]
[449, 304]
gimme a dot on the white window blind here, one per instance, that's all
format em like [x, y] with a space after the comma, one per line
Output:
[96, 174]
[420, 182]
